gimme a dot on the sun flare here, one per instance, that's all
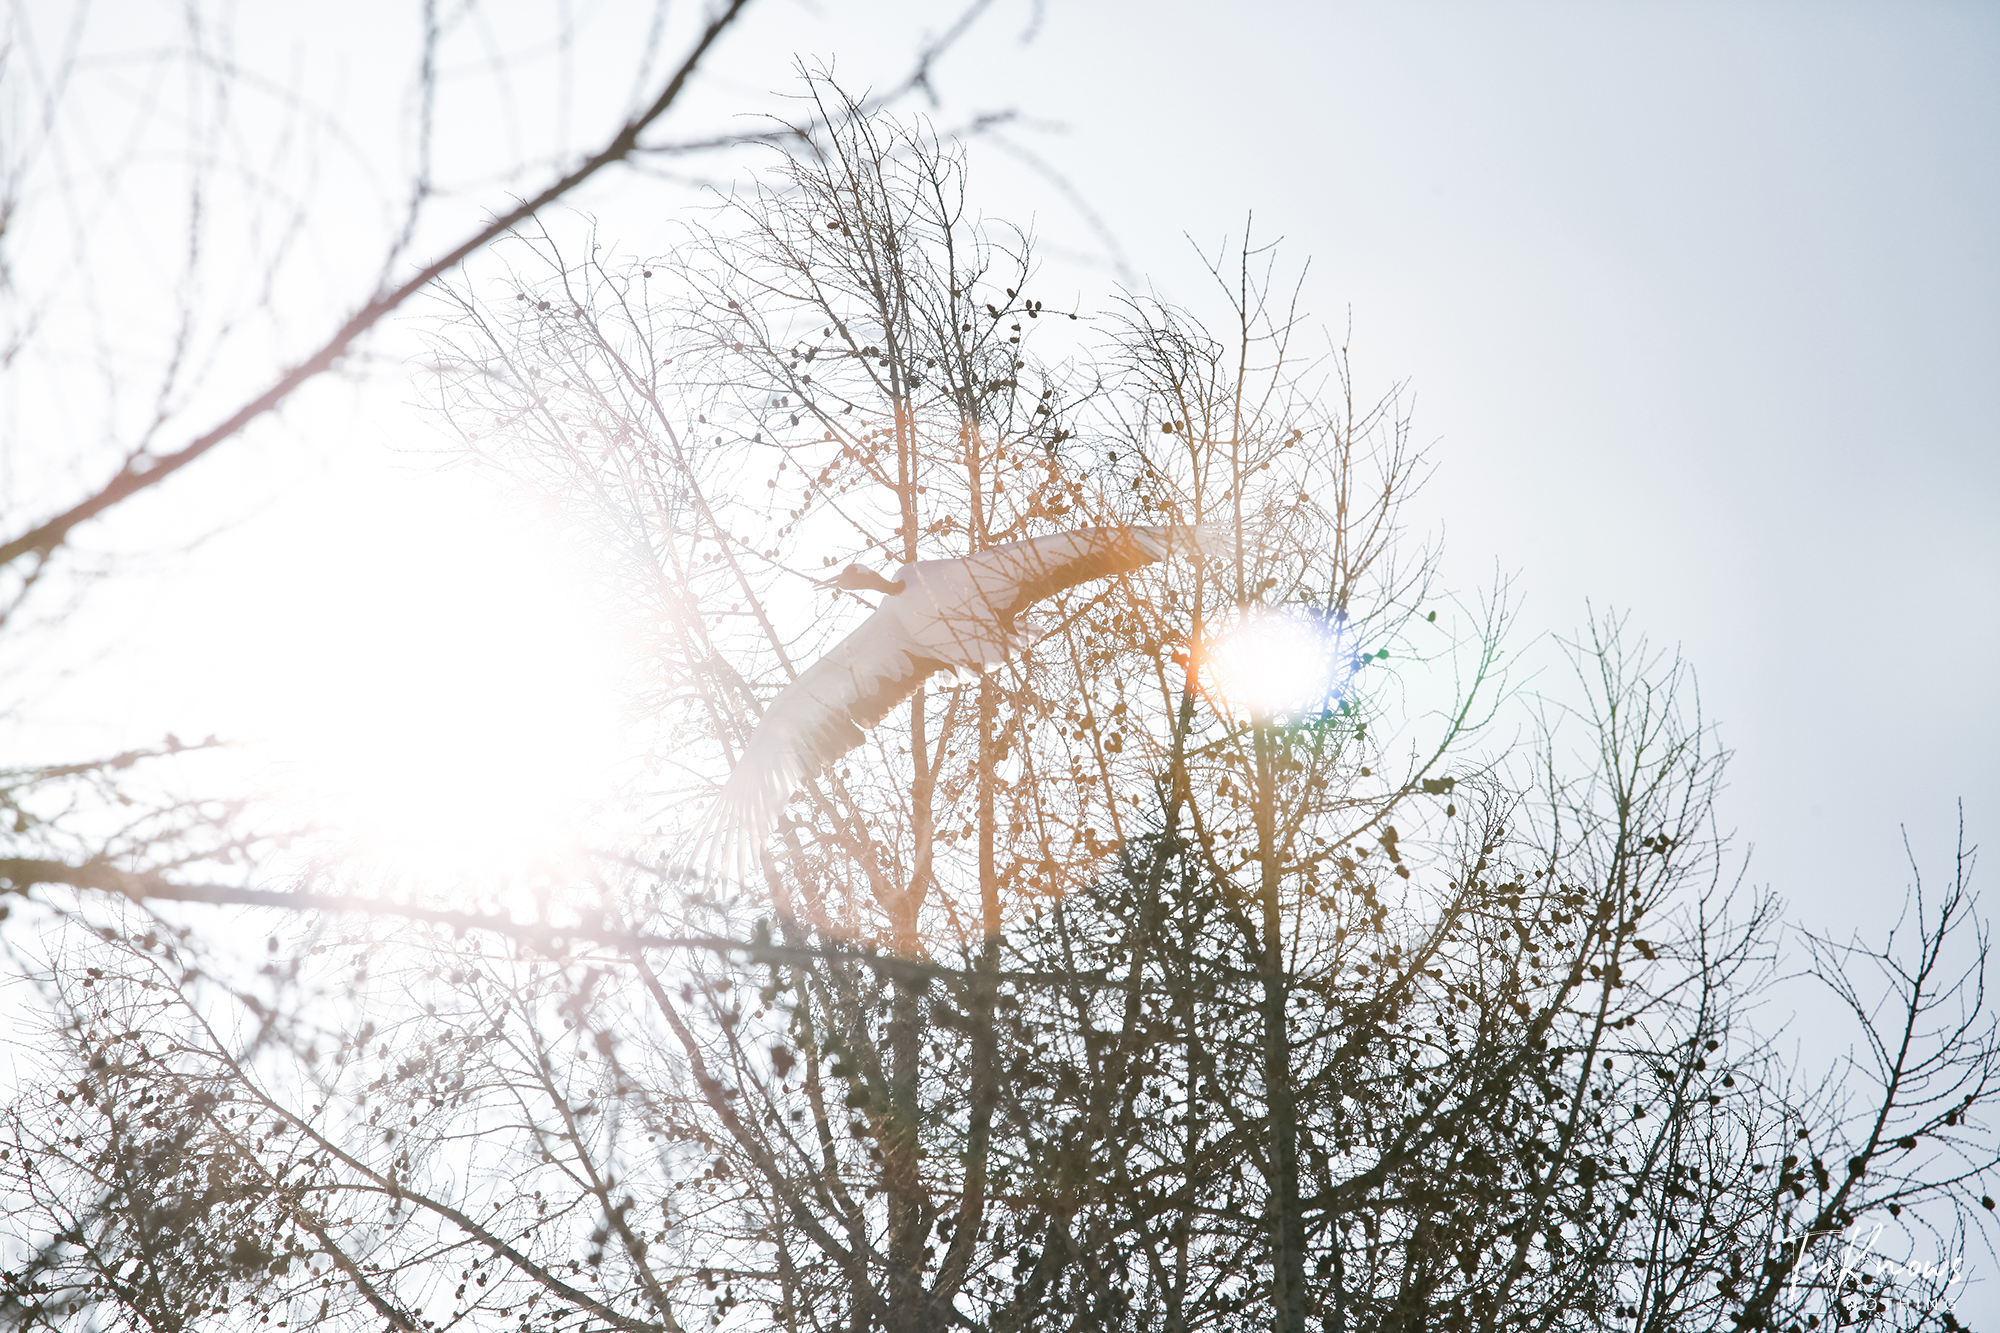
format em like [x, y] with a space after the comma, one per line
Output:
[1274, 664]
[451, 710]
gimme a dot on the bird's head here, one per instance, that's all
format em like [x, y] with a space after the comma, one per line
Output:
[856, 579]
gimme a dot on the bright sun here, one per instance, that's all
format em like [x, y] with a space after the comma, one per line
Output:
[1277, 664]
[449, 705]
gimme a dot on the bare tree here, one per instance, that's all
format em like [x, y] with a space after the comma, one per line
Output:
[1076, 996]
[172, 216]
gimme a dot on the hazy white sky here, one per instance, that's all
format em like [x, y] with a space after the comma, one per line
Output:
[1697, 304]
[1701, 308]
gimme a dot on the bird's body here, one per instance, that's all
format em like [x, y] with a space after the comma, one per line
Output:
[939, 615]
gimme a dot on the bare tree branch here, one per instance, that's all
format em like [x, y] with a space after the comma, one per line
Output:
[137, 476]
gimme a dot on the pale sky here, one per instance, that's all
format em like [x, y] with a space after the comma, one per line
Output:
[1700, 305]
[1697, 306]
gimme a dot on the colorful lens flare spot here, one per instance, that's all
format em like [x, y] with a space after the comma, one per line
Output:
[1279, 664]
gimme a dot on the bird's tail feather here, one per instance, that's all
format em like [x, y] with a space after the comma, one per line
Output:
[721, 851]
[1210, 539]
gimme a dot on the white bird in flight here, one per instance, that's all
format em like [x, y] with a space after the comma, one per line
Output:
[939, 615]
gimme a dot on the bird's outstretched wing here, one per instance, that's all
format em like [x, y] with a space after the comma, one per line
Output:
[819, 716]
[813, 721]
[1025, 572]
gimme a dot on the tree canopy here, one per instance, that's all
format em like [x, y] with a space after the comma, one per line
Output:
[1082, 994]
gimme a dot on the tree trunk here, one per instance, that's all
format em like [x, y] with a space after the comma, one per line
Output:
[1288, 1267]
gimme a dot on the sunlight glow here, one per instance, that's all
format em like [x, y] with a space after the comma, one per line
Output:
[1278, 664]
[445, 705]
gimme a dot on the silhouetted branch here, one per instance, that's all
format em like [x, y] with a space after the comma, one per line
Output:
[138, 475]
